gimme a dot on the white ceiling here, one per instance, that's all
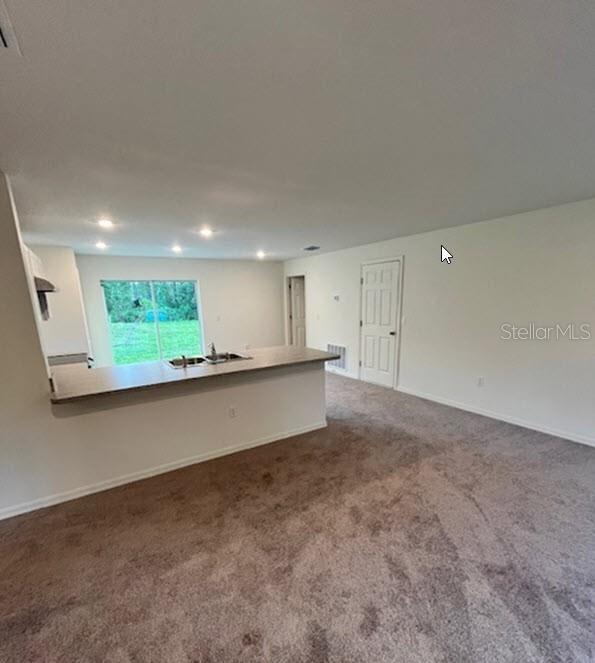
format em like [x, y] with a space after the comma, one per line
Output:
[284, 124]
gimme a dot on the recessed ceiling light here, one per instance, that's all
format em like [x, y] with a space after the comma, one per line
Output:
[206, 232]
[100, 245]
[261, 255]
[176, 248]
[105, 223]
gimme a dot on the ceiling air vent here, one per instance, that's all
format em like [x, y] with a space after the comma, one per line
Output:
[311, 248]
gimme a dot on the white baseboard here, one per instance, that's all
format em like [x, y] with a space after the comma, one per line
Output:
[57, 498]
[343, 372]
[573, 437]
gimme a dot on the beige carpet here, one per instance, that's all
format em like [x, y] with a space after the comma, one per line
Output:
[406, 531]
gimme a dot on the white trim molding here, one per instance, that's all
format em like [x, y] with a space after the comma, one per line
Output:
[57, 498]
[572, 437]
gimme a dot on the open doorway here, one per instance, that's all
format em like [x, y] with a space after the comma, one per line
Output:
[296, 310]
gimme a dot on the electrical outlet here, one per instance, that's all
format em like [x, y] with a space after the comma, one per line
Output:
[480, 381]
[233, 412]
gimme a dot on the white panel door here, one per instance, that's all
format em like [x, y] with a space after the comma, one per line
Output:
[298, 311]
[380, 305]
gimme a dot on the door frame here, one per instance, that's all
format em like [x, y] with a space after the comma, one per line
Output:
[399, 312]
[288, 333]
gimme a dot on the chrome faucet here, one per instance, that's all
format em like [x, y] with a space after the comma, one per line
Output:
[213, 351]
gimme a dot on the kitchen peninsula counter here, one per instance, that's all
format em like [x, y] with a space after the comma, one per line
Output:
[76, 382]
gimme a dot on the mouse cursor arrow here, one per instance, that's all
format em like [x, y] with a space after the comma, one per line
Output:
[446, 256]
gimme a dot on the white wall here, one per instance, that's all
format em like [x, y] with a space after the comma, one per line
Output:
[50, 453]
[242, 301]
[535, 267]
[65, 332]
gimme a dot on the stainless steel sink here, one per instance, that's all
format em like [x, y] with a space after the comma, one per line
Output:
[217, 358]
[185, 362]
[220, 357]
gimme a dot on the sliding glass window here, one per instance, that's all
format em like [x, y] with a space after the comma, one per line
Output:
[152, 320]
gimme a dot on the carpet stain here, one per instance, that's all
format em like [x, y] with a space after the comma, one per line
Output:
[318, 643]
[370, 622]
[267, 479]
[252, 639]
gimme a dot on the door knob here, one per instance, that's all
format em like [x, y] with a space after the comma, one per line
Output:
[393, 333]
